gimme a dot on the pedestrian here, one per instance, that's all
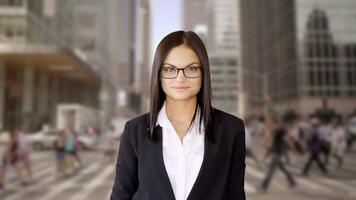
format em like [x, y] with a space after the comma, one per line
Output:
[250, 152]
[70, 150]
[338, 142]
[280, 139]
[350, 132]
[24, 153]
[11, 159]
[325, 144]
[314, 149]
[77, 148]
[60, 154]
[297, 136]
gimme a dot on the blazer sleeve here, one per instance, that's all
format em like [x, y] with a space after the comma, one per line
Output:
[236, 188]
[126, 180]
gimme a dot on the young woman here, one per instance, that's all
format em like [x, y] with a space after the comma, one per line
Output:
[11, 158]
[183, 148]
[60, 154]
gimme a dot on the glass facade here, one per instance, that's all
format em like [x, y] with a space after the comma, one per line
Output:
[37, 22]
[305, 48]
[327, 42]
[36, 82]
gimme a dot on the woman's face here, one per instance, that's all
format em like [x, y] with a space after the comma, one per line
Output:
[181, 87]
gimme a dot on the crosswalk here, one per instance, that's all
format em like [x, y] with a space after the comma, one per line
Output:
[45, 186]
[338, 183]
[95, 180]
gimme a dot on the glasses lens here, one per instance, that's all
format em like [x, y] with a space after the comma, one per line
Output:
[192, 71]
[168, 72]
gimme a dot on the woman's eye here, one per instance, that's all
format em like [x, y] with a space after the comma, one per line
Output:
[169, 69]
[193, 69]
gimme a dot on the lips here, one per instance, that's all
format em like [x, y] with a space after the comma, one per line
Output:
[181, 87]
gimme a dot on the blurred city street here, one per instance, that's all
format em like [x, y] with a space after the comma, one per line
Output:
[94, 181]
[73, 72]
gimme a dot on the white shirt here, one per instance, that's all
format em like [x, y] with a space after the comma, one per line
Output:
[182, 160]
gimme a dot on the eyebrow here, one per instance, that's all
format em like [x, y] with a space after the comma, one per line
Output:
[184, 66]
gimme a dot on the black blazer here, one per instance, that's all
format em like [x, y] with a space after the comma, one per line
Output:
[141, 174]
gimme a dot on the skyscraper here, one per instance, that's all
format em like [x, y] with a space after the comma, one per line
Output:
[305, 50]
[216, 24]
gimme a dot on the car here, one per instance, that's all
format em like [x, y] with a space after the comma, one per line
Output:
[43, 139]
[87, 142]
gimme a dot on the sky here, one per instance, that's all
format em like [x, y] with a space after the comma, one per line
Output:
[166, 18]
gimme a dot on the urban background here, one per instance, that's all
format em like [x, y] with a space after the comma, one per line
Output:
[72, 72]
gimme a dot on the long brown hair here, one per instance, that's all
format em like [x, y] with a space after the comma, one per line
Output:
[204, 96]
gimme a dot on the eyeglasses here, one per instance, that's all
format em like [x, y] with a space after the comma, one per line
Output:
[170, 72]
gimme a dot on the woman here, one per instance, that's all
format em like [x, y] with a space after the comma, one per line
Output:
[60, 154]
[183, 148]
[11, 157]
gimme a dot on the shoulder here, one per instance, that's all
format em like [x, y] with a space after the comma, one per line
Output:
[228, 127]
[229, 130]
[227, 119]
[131, 133]
[141, 120]
[136, 124]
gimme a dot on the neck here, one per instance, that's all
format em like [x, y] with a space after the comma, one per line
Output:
[180, 111]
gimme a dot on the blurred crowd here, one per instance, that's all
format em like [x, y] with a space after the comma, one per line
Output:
[16, 153]
[272, 143]
[282, 142]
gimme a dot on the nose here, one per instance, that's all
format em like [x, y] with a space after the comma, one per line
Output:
[180, 75]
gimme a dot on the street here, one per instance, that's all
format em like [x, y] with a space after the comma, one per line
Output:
[94, 181]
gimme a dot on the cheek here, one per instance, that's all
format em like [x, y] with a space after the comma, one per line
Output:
[198, 84]
[165, 84]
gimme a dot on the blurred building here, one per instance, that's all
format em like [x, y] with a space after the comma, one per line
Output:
[39, 65]
[134, 37]
[221, 39]
[197, 21]
[223, 69]
[299, 56]
[223, 44]
[192, 18]
[96, 31]
[143, 60]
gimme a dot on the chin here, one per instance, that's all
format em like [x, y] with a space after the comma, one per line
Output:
[181, 97]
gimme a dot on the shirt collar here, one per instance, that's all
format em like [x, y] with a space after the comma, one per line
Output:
[163, 120]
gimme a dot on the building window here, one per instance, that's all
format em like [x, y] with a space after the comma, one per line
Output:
[311, 78]
[336, 78]
[336, 93]
[327, 78]
[333, 51]
[350, 79]
[11, 2]
[320, 78]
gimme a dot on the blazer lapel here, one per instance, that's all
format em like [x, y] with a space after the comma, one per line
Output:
[196, 189]
[158, 158]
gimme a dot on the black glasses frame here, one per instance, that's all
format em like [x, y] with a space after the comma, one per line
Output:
[178, 69]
